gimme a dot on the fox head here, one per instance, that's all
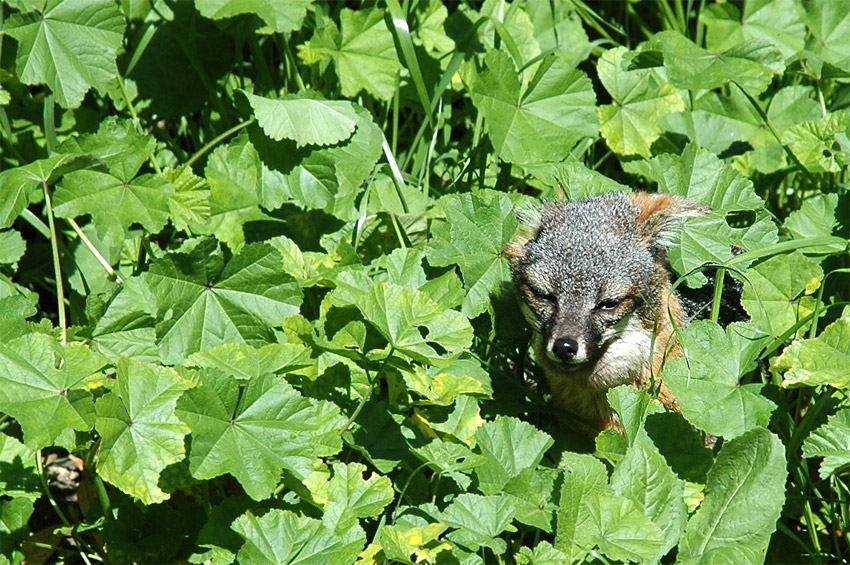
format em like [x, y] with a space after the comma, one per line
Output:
[594, 282]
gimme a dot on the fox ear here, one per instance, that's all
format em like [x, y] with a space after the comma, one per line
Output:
[529, 215]
[661, 215]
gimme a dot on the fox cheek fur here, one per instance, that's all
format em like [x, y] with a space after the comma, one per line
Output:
[594, 282]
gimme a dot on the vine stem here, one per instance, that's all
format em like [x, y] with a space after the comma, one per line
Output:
[57, 267]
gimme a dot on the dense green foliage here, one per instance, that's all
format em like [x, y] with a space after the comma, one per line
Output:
[252, 279]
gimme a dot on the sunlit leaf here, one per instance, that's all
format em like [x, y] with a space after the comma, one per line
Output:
[706, 383]
[556, 108]
[830, 442]
[743, 497]
[140, 434]
[640, 100]
[363, 52]
[70, 45]
[818, 361]
[43, 386]
[307, 121]
[254, 431]
[280, 15]
[204, 301]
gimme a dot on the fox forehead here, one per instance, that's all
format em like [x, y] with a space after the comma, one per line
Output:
[586, 248]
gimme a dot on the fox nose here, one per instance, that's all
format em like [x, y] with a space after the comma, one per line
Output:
[565, 348]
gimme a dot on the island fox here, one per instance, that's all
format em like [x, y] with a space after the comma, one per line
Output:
[594, 283]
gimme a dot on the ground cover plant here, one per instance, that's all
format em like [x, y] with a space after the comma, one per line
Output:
[254, 305]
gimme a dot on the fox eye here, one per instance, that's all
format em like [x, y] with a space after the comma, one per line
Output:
[541, 295]
[609, 304]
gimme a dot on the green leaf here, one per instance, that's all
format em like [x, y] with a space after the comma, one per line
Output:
[644, 477]
[828, 21]
[818, 361]
[304, 120]
[235, 175]
[363, 52]
[255, 430]
[246, 362]
[509, 446]
[706, 382]
[203, 301]
[282, 16]
[327, 178]
[22, 185]
[479, 519]
[70, 45]
[822, 146]
[14, 519]
[281, 537]
[751, 64]
[18, 474]
[743, 498]
[117, 143]
[701, 176]
[126, 328]
[43, 386]
[778, 22]
[830, 441]
[140, 434]
[463, 421]
[441, 386]
[556, 109]
[114, 203]
[400, 543]
[574, 179]
[189, 206]
[451, 459]
[641, 100]
[411, 322]
[585, 478]
[777, 299]
[431, 28]
[621, 531]
[473, 236]
[633, 406]
[351, 497]
[532, 493]
[815, 218]
[12, 247]
[541, 554]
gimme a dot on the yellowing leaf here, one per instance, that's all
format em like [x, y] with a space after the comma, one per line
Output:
[822, 360]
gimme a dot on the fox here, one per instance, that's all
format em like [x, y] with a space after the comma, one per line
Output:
[595, 284]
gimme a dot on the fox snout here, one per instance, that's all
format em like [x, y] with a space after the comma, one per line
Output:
[567, 349]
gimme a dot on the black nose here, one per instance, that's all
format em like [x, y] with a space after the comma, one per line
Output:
[565, 348]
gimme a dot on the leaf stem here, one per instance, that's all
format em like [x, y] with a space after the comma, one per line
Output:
[363, 401]
[50, 123]
[718, 293]
[218, 139]
[35, 222]
[368, 395]
[136, 121]
[46, 487]
[94, 250]
[57, 267]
